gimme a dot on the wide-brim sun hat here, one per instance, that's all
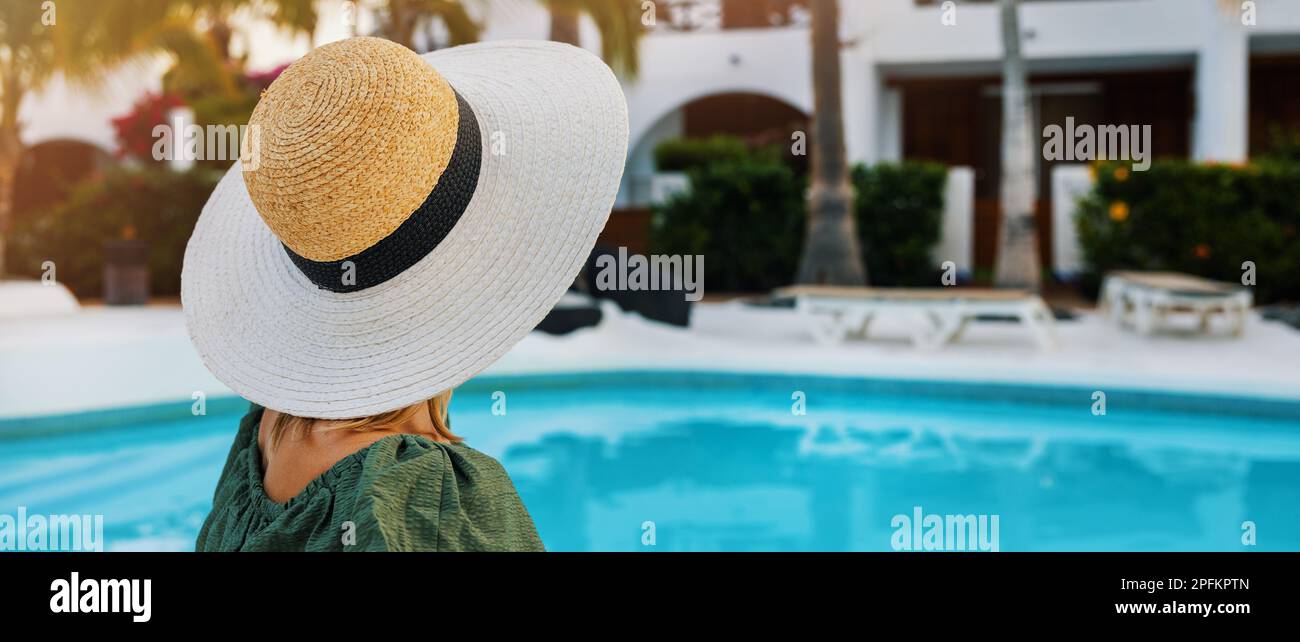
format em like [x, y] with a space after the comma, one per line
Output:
[398, 222]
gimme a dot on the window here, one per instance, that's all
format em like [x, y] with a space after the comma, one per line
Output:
[714, 15]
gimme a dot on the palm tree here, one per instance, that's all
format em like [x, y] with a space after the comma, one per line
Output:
[565, 22]
[1017, 259]
[830, 253]
[619, 22]
[401, 20]
[298, 16]
[78, 42]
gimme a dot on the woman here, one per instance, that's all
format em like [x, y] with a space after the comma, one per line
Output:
[396, 223]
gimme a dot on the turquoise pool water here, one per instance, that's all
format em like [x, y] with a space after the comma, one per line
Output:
[725, 462]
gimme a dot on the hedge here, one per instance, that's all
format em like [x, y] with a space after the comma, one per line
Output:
[748, 217]
[685, 154]
[899, 211]
[155, 204]
[745, 217]
[1202, 219]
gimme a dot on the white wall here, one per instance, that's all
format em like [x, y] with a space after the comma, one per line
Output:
[896, 37]
[885, 37]
[889, 126]
[957, 236]
[635, 188]
[904, 33]
[1221, 129]
[1069, 183]
[677, 68]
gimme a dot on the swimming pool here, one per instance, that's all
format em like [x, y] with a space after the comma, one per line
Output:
[711, 461]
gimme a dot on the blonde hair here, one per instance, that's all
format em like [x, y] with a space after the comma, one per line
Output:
[286, 424]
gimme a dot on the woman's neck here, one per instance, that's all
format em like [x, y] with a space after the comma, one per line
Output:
[293, 461]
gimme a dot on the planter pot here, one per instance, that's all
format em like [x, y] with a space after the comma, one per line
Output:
[665, 305]
[574, 312]
[126, 272]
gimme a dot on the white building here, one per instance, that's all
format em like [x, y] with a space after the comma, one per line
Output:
[921, 81]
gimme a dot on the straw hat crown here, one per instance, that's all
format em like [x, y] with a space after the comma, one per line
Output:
[348, 142]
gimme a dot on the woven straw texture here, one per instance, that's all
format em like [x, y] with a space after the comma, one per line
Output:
[351, 140]
[422, 231]
[553, 122]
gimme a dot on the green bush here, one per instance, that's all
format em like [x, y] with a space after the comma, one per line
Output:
[1284, 147]
[748, 218]
[686, 154]
[899, 211]
[745, 217]
[1200, 219]
[155, 204]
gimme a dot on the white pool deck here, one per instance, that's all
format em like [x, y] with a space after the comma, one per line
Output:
[101, 358]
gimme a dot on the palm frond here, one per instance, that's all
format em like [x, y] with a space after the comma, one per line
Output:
[453, 13]
[619, 23]
[198, 62]
[298, 15]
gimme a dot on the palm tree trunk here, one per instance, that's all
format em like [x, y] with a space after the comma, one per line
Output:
[11, 150]
[8, 169]
[564, 26]
[831, 254]
[1017, 259]
[399, 25]
[221, 35]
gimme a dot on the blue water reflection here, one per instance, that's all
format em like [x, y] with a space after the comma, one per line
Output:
[722, 462]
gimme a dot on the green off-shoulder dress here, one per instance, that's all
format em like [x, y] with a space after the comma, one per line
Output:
[401, 493]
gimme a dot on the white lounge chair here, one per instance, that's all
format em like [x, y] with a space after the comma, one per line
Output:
[1146, 300]
[939, 314]
[27, 299]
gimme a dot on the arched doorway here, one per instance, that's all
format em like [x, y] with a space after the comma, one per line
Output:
[759, 119]
[50, 170]
[756, 118]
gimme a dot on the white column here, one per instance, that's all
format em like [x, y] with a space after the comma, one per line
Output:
[1221, 130]
[179, 119]
[957, 236]
[861, 95]
[889, 130]
[1070, 183]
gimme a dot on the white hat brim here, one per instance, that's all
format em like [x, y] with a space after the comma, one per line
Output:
[554, 127]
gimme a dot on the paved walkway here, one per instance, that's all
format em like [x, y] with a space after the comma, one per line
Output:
[107, 357]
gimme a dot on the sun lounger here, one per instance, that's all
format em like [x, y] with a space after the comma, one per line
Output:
[940, 314]
[27, 299]
[1146, 300]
